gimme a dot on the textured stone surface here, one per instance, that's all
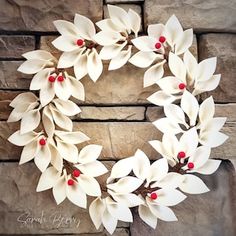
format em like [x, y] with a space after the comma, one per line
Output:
[38, 15]
[224, 110]
[112, 113]
[121, 1]
[46, 44]
[119, 139]
[224, 47]
[208, 214]
[212, 15]
[10, 78]
[15, 46]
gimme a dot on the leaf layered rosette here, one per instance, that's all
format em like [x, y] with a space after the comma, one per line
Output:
[189, 129]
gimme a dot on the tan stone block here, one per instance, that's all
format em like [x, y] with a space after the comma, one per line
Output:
[201, 15]
[223, 46]
[14, 46]
[39, 15]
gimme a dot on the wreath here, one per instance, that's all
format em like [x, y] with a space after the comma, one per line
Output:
[189, 129]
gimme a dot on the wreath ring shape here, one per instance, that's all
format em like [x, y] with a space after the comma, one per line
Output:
[189, 129]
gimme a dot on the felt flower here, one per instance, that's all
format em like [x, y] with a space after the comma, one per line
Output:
[115, 35]
[161, 40]
[186, 153]
[160, 189]
[76, 182]
[107, 212]
[79, 47]
[202, 117]
[187, 75]
[60, 84]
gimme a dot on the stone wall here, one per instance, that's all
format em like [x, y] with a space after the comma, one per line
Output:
[116, 114]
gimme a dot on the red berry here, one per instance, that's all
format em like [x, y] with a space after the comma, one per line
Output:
[60, 78]
[162, 39]
[76, 173]
[181, 155]
[51, 78]
[80, 42]
[153, 196]
[190, 165]
[158, 45]
[182, 86]
[70, 182]
[42, 141]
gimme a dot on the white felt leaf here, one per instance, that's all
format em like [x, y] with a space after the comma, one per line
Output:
[120, 59]
[129, 200]
[94, 65]
[145, 43]
[68, 59]
[62, 89]
[28, 152]
[190, 106]
[106, 38]
[56, 158]
[76, 195]
[43, 158]
[65, 43]
[212, 139]
[153, 74]
[206, 69]
[191, 66]
[177, 67]
[170, 84]
[120, 212]
[119, 16]
[122, 168]
[158, 170]
[143, 59]
[89, 185]
[30, 121]
[27, 97]
[109, 222]
[208, 168]
[48, 179]
[166, 125]
[184, 41]
[147, 216]
[193, 185]
[32, 66]
[77, 88]
[46, 94]
[125, 185]
[161, 98]
[23, 139]
[111, 51]
[206, 110]
[59, 190]
[72, 137]
[66, 28]
[80, 67]
[141, 165]
[97, 206]
[67, 108]
[85, 26]
[40, 79]
[89, 153]
[93, 169]
[156, 30]
[38, 54]
[135, 21]
[108, 25]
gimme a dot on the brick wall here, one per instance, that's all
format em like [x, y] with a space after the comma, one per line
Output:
[116, 114]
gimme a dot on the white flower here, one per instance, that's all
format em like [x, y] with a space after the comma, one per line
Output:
[115, 35]
[188, 75]
[75, 181]
[161, 40]
[160, 189]
[185, 153]
[199, 116]
[79, 47]
[107, 212]
[36, 61]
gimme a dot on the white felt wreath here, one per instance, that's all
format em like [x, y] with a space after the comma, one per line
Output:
[46, 131]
